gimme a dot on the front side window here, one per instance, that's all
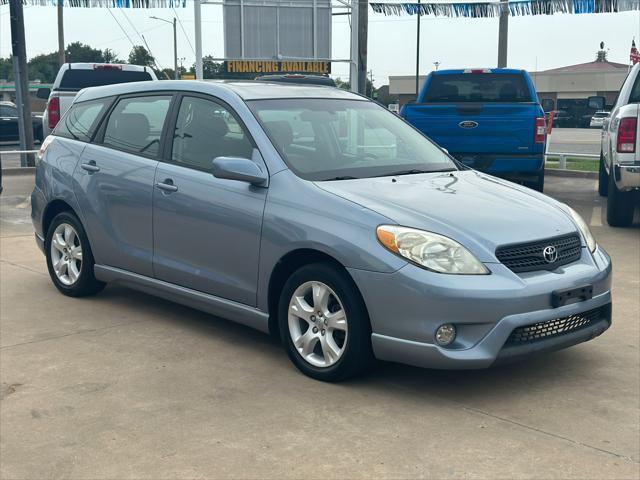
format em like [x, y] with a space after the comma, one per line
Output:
[322, 139]
[81, 120]
[206, 130]
[135, 124]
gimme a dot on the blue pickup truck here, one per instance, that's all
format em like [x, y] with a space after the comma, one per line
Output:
[489, 119]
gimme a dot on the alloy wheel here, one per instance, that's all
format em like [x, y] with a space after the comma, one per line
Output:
[318, 324]
[66, 254]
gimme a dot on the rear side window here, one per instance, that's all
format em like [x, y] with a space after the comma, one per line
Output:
[81, 120]
[635, 91]
[82, 78]
[477, 87]
[135, 124]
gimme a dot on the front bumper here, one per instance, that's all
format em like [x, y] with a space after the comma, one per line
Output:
[406, 307]
[627, 177]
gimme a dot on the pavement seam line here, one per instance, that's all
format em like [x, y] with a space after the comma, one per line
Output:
[24, 267]
[93, 330]
[522, 425]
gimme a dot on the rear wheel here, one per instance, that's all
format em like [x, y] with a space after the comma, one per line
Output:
[324, 324]
[69, 257]
[538, 183]
[619, 205]
[603, 178]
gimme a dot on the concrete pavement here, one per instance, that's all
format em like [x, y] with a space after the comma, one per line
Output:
[124, 385]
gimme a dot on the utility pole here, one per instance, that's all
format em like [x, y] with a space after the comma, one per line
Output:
[418, 53]
[355, 37]
[175, 51]
[61, 58]
[363, 28]
[20, 74]
[197, 20]
[503, 33]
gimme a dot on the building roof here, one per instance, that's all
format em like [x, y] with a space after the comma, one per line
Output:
[595, 66]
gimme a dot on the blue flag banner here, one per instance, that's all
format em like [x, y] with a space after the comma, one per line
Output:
[516, 8]
[105, 3]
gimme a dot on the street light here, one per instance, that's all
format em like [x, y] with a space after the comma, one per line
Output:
[437, 64]
[175, 44]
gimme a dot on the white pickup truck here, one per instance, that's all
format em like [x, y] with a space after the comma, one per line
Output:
[620, 153]
[73, 77]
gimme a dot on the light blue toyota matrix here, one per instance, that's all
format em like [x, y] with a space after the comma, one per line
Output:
[316, 215]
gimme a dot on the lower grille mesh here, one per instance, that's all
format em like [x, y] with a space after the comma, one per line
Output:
[553, 328]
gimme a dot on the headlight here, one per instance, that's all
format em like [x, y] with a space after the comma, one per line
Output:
[430, 250]
[584, 229]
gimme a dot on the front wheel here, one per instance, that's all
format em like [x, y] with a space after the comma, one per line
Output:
[69, 257]
[619, 205]
[324, 324]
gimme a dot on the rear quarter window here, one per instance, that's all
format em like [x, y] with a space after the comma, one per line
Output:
[81, 120]
[478, 87]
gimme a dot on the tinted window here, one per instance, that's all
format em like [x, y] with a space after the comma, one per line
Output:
[82, 78]
[206, 130]
[81, 120]
[135, 124]
[322, 139]
[477, 87]
[8, 111]
[634, 97]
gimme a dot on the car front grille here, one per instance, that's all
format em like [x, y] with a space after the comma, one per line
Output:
[559, 326]
[527, 257]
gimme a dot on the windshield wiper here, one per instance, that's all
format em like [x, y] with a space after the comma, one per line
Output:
[342, 177]
[415, 171]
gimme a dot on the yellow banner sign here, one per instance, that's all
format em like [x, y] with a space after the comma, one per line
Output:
[269, 66]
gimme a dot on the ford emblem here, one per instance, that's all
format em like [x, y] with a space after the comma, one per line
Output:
[468, 124]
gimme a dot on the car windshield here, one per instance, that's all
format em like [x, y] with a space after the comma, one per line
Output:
[83, 78]
[322, 139]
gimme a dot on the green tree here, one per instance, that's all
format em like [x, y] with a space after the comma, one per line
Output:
[79, 52]
[141, 56]
[110, 56]
[6, 68]
[43, 67]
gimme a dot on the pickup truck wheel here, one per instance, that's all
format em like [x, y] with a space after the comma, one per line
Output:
[537, 184]
[619, 205]
[603, 178]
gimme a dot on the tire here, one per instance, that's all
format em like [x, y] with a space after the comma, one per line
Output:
[75, 277]
[538, 184]
[603, 178]
[620, 205]
[348, 344]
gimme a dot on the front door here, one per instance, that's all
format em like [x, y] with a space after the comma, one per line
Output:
[115, 183]
[207, 230]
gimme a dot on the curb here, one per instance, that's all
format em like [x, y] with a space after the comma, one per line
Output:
[18, 171]
[554, 172]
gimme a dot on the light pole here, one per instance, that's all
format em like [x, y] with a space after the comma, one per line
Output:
[175, 44]
[437, 64]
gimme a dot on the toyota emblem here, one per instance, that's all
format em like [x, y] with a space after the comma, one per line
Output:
[550, 254]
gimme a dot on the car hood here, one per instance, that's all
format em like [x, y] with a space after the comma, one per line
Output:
[477, 210]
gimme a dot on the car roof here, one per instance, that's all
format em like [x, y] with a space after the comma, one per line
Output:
[92, 65]
[7, 103]
[454, 71]
[246, 90]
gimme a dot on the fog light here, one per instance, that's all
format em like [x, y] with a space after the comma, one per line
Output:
[445, 334]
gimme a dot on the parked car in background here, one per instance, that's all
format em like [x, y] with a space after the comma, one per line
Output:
[73, 77]
[298, 78]
[9, 123]
[620, 153]
[315, 214]
[561, 119]
[598, 119]
[489, 119]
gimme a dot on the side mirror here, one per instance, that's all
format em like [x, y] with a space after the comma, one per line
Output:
[43, 92]
[241, 169]
[548, 105]
[596, 102]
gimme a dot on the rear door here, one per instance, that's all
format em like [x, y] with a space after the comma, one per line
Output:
[478, 113]
[206, 229]
[115, 182]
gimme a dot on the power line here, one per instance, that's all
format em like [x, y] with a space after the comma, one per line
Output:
[121, 28]
[183, 30]
[130, 23]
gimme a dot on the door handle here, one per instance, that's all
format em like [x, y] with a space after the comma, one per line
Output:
[167, 186]
[90, 167]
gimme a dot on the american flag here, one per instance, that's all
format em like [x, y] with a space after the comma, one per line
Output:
[634, 56]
